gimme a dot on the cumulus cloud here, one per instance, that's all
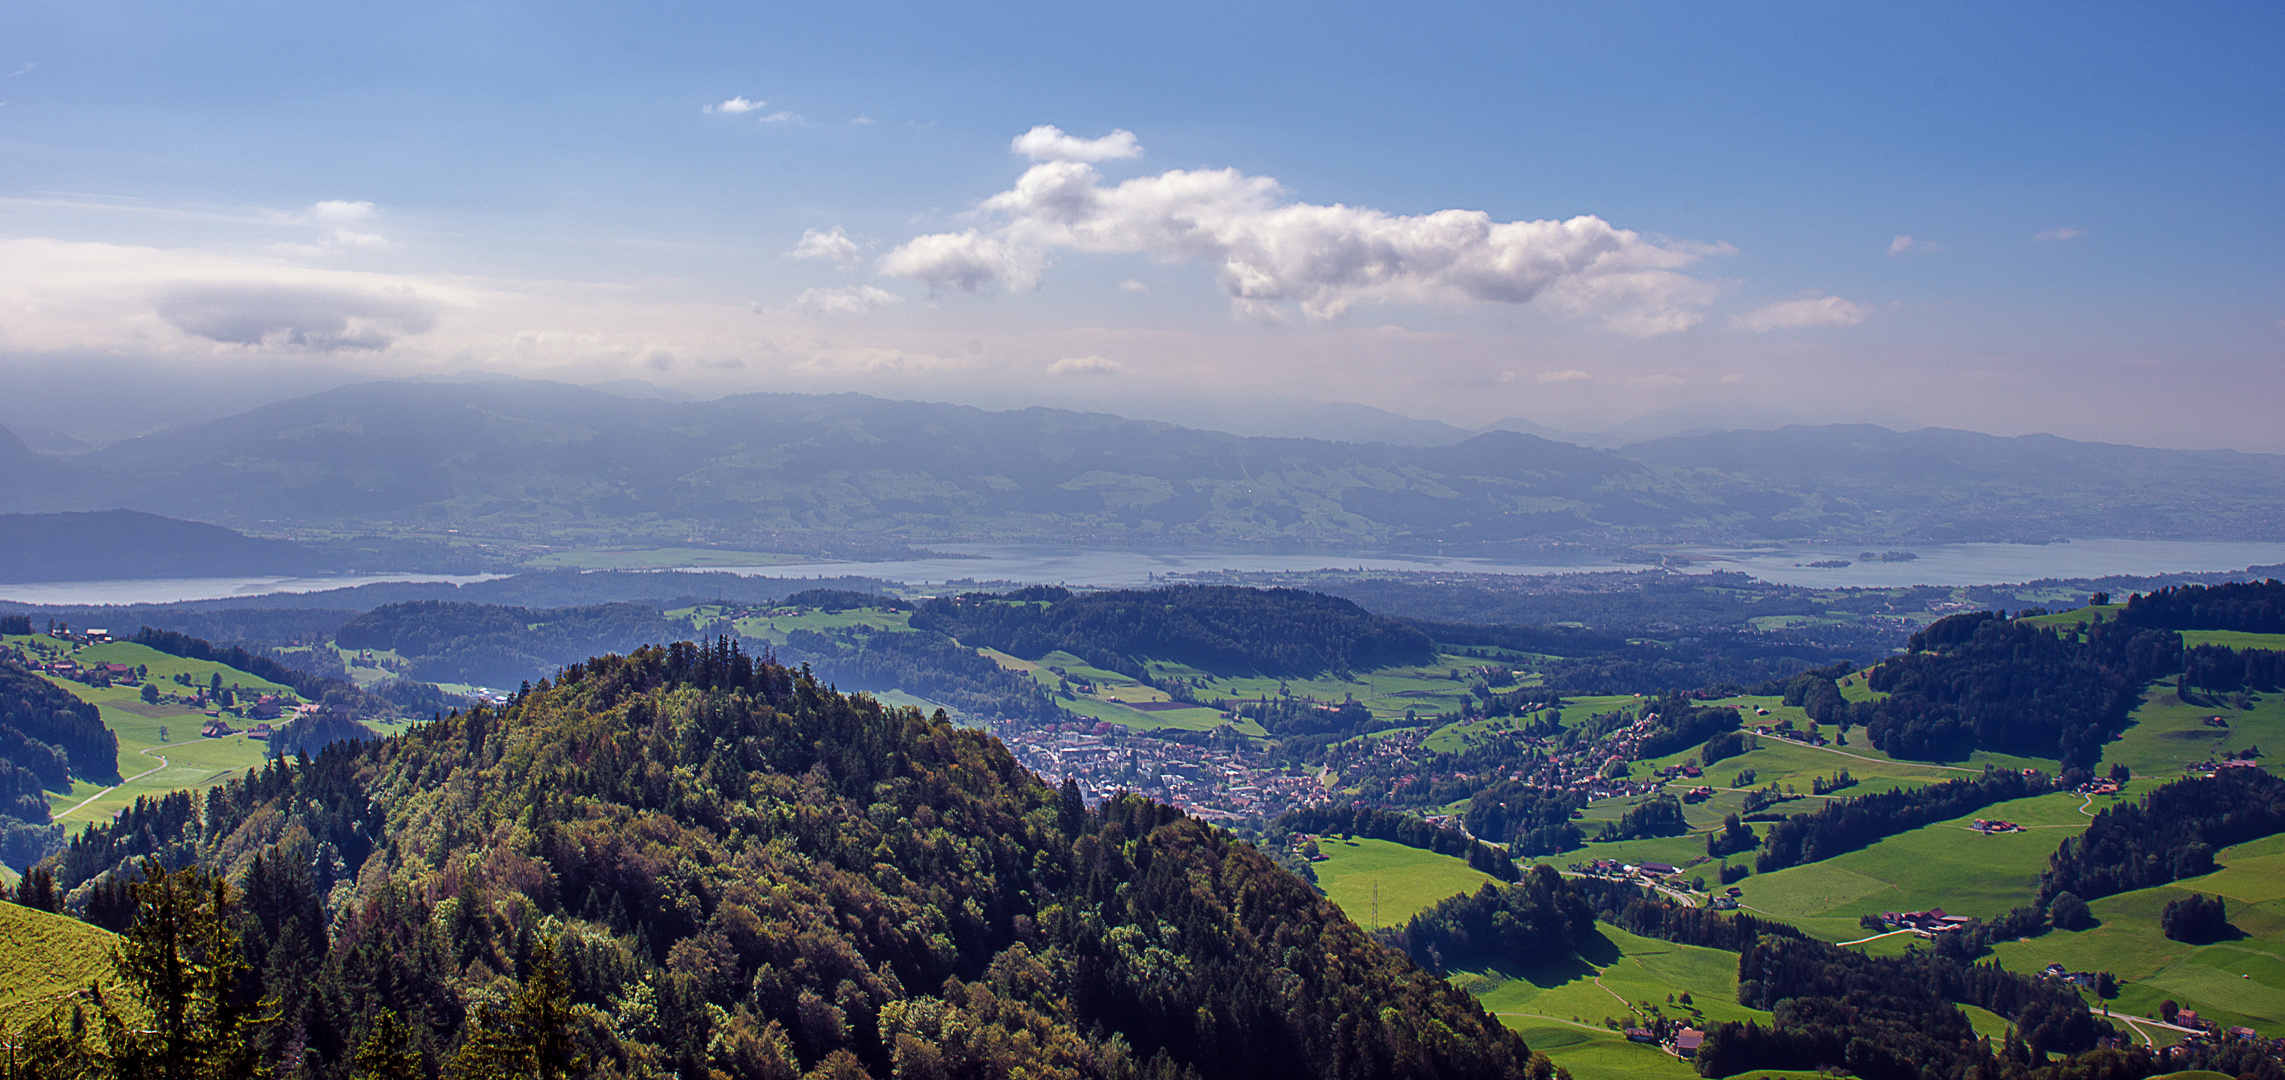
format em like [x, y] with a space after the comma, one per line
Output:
[1085, 365]
[1796, 314]
[1048, 143]
[1658, 381]
[738, 106]
[311, 317]
[832, 245]
[2067, 232]
[341, 210]
[1903, 243]
[1271, 253]
[1133, 285]
[845, 300]
[1567, 375]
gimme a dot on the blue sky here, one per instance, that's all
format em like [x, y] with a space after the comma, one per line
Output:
[2036, 218]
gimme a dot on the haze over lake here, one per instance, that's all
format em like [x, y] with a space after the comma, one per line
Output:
[1947, 564]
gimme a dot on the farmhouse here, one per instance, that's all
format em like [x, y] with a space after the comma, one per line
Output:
[1687, 1041]
[216, 728]
[1931, 921]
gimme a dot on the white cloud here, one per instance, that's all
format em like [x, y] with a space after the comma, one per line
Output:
[1132, 285]
[860, 120]
[1658, 381]
[1324, 259]
[738, 106]
[1733, 377]
[339, 210]
[1795, 314]
[1085, 365]
[845, 300]
[1903, 243]
[2067, 232]
[832, 245]
[1048, 143]
[311, 317]
[1567, 375]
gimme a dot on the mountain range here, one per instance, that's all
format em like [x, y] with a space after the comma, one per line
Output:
[565, 465]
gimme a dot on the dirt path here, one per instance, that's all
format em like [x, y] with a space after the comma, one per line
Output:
[162, 763]
[1862, 940]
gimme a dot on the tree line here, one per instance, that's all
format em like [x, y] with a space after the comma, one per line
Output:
[1845, 825]
[1223, 629]
[2169, 834]
[690, 861]
[1396, 828]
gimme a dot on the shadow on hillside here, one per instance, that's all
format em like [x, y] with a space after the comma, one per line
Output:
[1548, 972]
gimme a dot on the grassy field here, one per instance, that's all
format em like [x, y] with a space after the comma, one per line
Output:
[159, 746]
[2235, 639]
[42, 955]
[1560, 1009]
[2234, 981]
[1942, 865]
[1426, 691]
[2169, 734]
[778, 628]
[1113, 694]
[1404, 879]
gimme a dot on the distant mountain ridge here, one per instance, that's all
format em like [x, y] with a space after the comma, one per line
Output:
[535, 459]
[88, 546]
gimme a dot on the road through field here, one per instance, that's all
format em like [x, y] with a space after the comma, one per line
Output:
[162, 763]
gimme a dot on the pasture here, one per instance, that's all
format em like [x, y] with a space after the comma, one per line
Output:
[2238, 980]
[1354, 873]
[160, 749]
[1561, 1008]
[42, 956]
[2169, 734]
[1945, 865]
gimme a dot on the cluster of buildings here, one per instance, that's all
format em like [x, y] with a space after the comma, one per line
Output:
[1995, 826]
[1927, 923]
[1222, 782]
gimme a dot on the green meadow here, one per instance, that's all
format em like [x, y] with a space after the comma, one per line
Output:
[1945, 865]
[1357, 874]
[1562, 1008]
[1113, 694]
[42, 956]
[2235, 981]
[160, 749]
[2170, 734]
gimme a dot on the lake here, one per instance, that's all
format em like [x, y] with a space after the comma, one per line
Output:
[1934, 564]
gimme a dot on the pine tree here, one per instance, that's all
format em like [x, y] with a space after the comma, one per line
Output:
[531, 1037]
[389, 1053]
[182, 960]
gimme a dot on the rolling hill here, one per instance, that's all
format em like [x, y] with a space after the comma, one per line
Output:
[509, 458]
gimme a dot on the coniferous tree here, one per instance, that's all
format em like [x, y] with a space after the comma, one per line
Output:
[182, 961]
[530, 1037]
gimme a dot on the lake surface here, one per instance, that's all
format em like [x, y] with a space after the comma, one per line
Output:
[177, 590]
[1989, 564]
[1944, 564]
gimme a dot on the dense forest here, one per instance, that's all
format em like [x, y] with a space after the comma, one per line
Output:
[1285, 632]
[491, 645]
[687, 861]
[929, 665]
[2169, 834]
[2253, 607]
[1982, 681]
[47, 738]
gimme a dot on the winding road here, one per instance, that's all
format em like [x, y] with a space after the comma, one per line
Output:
[162, 763]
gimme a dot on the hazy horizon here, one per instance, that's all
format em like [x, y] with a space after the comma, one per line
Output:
[2032, 220]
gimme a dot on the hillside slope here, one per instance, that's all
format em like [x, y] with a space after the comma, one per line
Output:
[748, 873]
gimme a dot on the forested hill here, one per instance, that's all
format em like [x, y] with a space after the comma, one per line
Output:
[509, 455]
[1222, 629]
[129, 544]
[735, 872]
[494, 645]
[2253, 607]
